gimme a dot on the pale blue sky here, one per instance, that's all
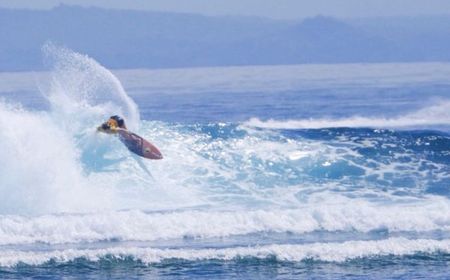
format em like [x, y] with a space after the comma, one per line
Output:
[281, 9]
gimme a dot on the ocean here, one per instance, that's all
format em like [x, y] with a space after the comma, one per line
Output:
[269, 172]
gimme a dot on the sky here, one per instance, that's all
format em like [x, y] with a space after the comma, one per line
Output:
[278, 9]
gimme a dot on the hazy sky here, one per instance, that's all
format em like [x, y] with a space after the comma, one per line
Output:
[281, 9]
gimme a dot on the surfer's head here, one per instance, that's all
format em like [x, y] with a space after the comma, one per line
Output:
[116, 121]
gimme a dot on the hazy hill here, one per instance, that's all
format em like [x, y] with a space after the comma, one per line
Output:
[131, 39]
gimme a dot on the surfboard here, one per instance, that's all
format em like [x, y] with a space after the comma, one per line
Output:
[139, 145]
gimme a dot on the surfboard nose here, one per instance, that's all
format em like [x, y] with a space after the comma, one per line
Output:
[139, 145]
[153, 153]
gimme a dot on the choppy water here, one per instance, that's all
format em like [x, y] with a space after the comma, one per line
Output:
[331, 171]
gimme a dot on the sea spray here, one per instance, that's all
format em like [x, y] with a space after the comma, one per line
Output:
[54, 161]
[81, 87]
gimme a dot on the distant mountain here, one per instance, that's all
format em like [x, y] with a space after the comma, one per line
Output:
[316, 40]
[425, 38]
[133, 39]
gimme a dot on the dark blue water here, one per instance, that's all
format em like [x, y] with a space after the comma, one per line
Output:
[236, 107]
[415, 267]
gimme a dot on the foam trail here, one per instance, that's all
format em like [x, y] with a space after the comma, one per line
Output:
[330, 252]
[428, 117]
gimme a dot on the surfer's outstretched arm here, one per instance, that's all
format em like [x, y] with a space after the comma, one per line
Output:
[112, 125]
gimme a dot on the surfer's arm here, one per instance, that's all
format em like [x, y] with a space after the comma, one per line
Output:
[107, 129]
[110, 129]
[114, 130]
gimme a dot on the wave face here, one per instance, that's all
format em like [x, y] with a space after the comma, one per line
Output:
[332, 193]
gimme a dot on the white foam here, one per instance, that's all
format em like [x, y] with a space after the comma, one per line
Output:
[428, 117]
[330, 252]
[329, 213]
[48, 169]
[39, 173]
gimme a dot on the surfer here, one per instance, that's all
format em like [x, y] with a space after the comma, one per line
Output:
[134, 143]
[112, 125]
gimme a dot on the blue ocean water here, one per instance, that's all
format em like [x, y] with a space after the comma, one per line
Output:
[309, 171]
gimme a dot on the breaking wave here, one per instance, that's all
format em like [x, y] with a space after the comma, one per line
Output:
[432, 117]
[68, 187]
[329, 252]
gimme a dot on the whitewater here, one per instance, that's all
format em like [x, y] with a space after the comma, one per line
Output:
[333, 171]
